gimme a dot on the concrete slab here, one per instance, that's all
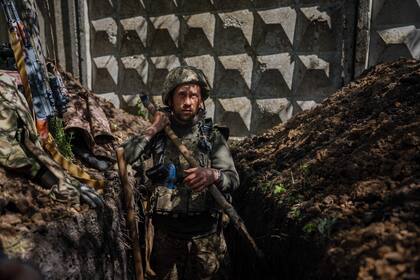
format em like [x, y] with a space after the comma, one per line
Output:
[282, 62]
[210, 108]
[104, 36]
[134, 76]
[237, 113]
[105, 74]
[164, 37]
[135, 28]
[266, 113]
[204, 21]
[204, 62]
[285, 16]
[100, 8]
[158, 71]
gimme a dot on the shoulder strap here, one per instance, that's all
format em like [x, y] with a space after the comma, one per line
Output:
[224, 130]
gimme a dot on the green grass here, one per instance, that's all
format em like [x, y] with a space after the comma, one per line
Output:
[279, 189]
[62, 139]
[141, 110]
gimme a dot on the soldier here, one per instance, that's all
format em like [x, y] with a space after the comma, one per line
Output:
[188, 241]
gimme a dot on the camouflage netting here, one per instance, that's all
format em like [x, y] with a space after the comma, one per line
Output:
[335, 192]
[64, 242]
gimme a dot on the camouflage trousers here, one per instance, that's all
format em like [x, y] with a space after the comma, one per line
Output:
[194, 259]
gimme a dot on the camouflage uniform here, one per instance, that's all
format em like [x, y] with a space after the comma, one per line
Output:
[14, 115]
[188, 241]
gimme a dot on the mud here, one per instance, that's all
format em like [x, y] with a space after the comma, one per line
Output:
[335, 192]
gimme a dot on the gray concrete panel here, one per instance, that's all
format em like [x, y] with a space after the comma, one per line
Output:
[395, 29]
[266, 60]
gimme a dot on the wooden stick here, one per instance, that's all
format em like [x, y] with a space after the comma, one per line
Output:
[131, 214]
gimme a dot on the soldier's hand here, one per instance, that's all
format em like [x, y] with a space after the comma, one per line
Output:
[199, 178]
[160, 120]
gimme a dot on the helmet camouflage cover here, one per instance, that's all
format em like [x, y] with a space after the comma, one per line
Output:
[184, 75]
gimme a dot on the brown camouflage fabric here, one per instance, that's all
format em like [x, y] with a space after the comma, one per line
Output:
[84, 115]
[14, 116]
[194, 259]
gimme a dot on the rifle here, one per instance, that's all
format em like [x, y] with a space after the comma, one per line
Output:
[58, 89]
[214, 191]
[30, 63]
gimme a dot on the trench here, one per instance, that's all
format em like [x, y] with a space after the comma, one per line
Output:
[287, 254]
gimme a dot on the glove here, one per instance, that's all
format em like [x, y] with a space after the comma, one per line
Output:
[89, 195]
[70, 190]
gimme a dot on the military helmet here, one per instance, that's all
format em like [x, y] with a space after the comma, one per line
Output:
[184, 75]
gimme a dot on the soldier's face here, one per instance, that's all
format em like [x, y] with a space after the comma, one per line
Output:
[186, 101]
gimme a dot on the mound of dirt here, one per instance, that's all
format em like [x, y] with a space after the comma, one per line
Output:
[62, 241]
[334, 193]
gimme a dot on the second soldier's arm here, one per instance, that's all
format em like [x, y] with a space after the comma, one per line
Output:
[221, 159]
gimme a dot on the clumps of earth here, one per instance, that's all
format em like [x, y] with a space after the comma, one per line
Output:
[334, 193]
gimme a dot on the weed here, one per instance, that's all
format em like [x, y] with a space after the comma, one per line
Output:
[305, 170]
[322, 225]
[279, 189]
[265, 187]
[309, 228]
[325, 225]
[294, 213]
[141, 110]
[62, 139]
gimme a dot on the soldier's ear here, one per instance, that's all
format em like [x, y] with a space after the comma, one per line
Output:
[171, 99]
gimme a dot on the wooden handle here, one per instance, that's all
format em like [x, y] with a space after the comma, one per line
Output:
[131, 214]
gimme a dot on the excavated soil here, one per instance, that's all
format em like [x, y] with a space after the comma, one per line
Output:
[334, 193]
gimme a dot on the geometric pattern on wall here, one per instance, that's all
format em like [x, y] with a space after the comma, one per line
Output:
[266, 60]
[395, 30]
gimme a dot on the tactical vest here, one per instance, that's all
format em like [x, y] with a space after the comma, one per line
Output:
[181, 200]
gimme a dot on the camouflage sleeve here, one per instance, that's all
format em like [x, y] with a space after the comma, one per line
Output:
[134, 148]
[222, 160]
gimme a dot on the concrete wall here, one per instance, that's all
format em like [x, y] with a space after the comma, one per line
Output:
[387, 30]
[265, 59]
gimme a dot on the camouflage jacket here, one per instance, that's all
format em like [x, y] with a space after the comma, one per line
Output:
[181, 202]
[15, 116]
